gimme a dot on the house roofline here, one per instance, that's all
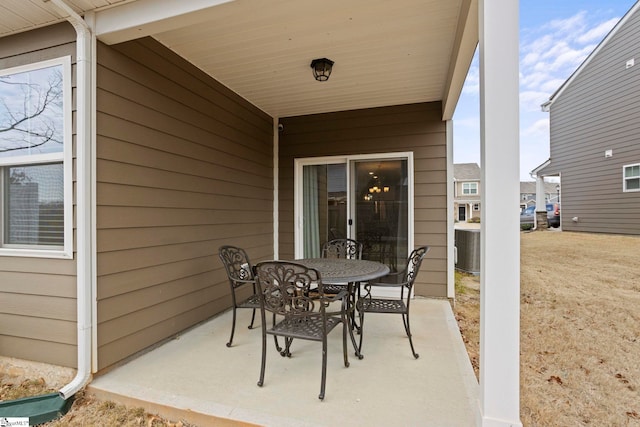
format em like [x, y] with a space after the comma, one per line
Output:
[539, 168]
[547, 105]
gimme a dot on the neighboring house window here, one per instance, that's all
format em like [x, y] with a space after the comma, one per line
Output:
[469, 188]
[35, 159]
[631, 177]
[476, 206]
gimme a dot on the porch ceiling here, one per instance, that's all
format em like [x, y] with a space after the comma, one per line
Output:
[385, 53]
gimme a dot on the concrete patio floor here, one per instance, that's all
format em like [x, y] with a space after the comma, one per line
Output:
[196, 378]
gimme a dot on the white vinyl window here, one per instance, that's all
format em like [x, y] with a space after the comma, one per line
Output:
[631, 177]
[35, 159]
[476, 206]
[469, 188]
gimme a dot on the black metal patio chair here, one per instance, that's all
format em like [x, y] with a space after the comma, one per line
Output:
[340, 248]
[241, 279]
[403, 281]
[344, 249]
[284, 289]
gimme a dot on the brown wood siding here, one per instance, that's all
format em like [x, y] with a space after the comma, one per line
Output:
[183, 166]
[599, 111]
[38, 295]
[416, 128]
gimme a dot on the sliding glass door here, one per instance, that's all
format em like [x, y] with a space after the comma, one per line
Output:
[381, 210]
[367, 198]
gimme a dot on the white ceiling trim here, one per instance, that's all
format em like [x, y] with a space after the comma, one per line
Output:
[146, 17]
[465, 45]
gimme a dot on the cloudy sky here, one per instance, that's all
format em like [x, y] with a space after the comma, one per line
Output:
[556, 36]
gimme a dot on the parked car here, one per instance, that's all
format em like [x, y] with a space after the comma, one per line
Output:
[553, 215]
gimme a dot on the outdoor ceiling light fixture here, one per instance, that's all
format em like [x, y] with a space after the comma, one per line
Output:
[321, 69]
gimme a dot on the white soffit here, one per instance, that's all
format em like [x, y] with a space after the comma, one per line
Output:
[385, 53]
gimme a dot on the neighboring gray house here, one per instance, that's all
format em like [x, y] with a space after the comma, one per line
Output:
[466, 190]
[528, 193]
[595, 143]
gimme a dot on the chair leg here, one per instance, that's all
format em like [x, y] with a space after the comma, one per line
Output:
[286, 352]
[356, 298]
[324, 368]
[264, 356]
[405, 322]
[275, 337]
[278, 348]
[350, 318]
[345, 326]
[253, 317]
[233, 327]
[407, 327]
[361, 316]
[355, 327]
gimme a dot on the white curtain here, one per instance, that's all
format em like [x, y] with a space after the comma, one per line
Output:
[310, 212]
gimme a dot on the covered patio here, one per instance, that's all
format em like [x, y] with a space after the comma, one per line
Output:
[196, 378]
[190, 119]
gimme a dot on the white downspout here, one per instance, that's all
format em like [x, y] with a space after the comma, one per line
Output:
[84, 274]
[451, 188]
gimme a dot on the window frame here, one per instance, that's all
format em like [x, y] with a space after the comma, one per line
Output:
[626, 178]
[467, 191]
[65, 157]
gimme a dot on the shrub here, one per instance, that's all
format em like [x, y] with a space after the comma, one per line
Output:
[526, 227]
[474, 220]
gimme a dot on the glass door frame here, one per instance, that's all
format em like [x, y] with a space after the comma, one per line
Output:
[351, 207]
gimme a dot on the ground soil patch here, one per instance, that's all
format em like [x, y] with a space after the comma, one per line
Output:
[86, 409]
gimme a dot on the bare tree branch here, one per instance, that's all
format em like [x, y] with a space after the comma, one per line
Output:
[32, 125]
[46, 139]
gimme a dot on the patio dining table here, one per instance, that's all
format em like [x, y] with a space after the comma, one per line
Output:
[347, 272]
[337, 271]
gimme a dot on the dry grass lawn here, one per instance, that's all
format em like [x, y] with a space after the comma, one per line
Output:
[580, 329]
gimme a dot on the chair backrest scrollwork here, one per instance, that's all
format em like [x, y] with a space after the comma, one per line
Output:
[413, 264]
[284, 288]
[342, 248]
[236, 262]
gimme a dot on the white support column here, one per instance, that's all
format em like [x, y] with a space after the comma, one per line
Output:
[540, 198]
[500, 238]
[540, 195]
